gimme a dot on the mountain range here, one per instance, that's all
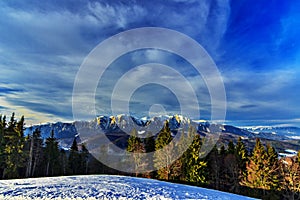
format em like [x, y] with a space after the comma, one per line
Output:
[115, 128]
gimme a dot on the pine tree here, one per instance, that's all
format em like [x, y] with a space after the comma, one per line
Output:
[263, 169]
[74, 158]
[52, 155]
[136, 149]
[149, 144]
[164, 155]
[272, 169]
[231, 148]
[63, 160]
[2, 144]
[241, 155]
[215, 163]
[35, 149]
[290, 170]
[255, 173]
[85, 157]
[104, 157]
[223, 150]
[14, 148]
[231, 173]
[197, 167]
[185, 140]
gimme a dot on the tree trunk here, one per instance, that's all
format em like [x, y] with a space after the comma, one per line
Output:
[47, 169]
[36, 160]
[29, 166]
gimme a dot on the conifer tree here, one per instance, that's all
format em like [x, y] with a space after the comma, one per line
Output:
[36, 143]
[162, 160]
[223, 150]
[85, 156]
[52, 155]
[231, 148]
[164, 155]
[182, 146]
[263, 169]
[136, 149]
[215, 163]
[196, 171]
[14, 148]
[231, 173]
[2, 144]
[290, 170]
[149, 143]
[63, 160]
[272, 169]
[242, 155]
[29, 146]
[255, 173]
[74, 158]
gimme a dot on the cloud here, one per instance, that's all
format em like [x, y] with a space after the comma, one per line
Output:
[5, 90]
[247, 106]
[3, 107]
[270, 95]
[118, 14]
[43, 45]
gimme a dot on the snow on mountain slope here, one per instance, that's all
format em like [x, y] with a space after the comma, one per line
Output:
[116, 129]
[66, 132]
[104, 187]
[275, 132]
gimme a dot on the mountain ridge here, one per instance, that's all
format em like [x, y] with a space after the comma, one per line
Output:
[118, 126]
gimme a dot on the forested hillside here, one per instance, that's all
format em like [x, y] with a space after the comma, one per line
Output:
[259, 173]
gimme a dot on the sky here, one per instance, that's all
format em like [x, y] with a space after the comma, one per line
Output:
[254, 45]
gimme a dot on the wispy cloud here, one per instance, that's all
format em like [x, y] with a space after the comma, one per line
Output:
[262, 95]
[254, 46]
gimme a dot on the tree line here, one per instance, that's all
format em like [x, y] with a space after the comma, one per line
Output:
[258, 173]
[232, 168]
[30, 156]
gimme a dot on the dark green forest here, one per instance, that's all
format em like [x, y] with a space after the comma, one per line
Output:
[231, 168]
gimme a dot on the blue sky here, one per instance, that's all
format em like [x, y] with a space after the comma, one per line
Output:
[254, 44]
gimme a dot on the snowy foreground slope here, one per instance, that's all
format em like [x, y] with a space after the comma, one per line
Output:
[104, 187]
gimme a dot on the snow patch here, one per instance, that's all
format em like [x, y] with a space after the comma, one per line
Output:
[294, 137]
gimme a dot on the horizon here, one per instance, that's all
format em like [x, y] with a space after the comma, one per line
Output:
[254, 46]
[240, 124]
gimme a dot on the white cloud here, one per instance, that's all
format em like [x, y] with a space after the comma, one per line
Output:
[120, 15]
[41, 52]
[267, 95]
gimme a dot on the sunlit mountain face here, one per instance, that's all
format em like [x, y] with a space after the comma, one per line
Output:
[117, 129]
[254, 45]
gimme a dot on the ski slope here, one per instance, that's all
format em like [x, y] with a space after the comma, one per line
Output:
[104, 187]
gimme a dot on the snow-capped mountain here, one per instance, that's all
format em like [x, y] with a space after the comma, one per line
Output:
[112, 126]
[109, 124]
[116, 128]
[275, 132]
[126, 122]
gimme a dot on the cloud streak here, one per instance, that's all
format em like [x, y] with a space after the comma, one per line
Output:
[255, 47]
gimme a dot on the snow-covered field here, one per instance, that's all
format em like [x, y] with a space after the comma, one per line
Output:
[104, 187]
